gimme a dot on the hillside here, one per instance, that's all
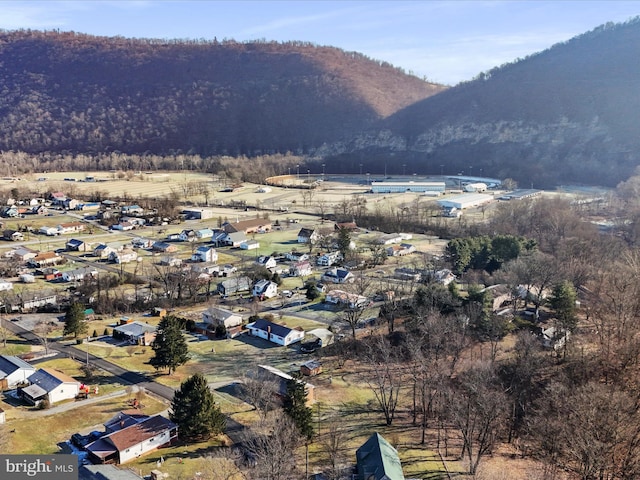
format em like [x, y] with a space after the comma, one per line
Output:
[67, 92]
[570, 114]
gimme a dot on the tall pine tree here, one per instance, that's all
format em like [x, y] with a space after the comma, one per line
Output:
[295, 406]
[74, 320]
[170, 347]
[195, 411]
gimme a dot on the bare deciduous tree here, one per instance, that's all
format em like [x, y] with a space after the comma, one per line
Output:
[383, 375]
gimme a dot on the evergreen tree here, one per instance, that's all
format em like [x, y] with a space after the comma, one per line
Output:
[170, 347]
[74, 320]
[343, 241]
[295, 406]
[312, 291]
[195, 411]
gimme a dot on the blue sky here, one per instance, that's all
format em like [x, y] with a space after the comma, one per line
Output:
[443, 41]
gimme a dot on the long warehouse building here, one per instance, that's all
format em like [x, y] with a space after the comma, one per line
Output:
[401, 187]
[469, 200]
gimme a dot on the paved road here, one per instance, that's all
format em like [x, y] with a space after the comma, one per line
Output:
[234, 430]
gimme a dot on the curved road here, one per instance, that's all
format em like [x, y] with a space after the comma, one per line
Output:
[234, 430]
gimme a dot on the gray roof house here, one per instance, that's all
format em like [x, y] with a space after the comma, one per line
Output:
[137, 333]
[13, 371]
[376, 459]
[221, 316]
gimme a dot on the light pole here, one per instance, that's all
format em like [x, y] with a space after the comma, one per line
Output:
[360, 169]
[323, 171]
[368, 177]
[298, 171]
[441, 167]
[308, 173]
[404, 169]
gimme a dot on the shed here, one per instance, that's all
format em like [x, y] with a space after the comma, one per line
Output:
[311, 368]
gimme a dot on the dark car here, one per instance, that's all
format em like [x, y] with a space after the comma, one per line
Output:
[310, 347]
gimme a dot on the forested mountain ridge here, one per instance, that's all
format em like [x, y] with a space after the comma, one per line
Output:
[69, 92]
[569, 114]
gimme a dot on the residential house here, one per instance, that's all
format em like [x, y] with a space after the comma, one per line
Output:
[173, 237]
[400, 250]
[137, 333]
[234, 239]
[234, 285]
[58, 198]
[13, 235]
[389, 239]
[123, 255]
[267, 261]
[135, 439]
[135, 221]
[170, 261]
[49, 231]
[70, 203]
[50, 273]
[301, 269]
[205, 254]
[106, 472]
[71, 227]
[351, 226]
[103, 251]
[308, 235]
[187, 236]
[218, 238]
[265, 289]
[31, 301]
[351, 300]
[39, 210]
[50, 385]
[275, 333]
[79, 274]
[296, 256]
[77, 245]
[46, 259]
[250, 245]
[164, 247]
[408, 274]
[140, 242]
[123, 226]
[280, 379]
[376, 459]
[88, 206]
[204, 234]
[337, 275]
[329, 258]
[14, 371]
[9, 211]
[23, 254]
[444, 276]
[254, 225]
[132, 210]
[220, 316]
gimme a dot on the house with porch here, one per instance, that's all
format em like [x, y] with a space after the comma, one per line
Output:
[71, 227]
[308, 236]
[46, 259]
[205, 254]
[265, 289]
[79, 274]
[50, 385]
[301, 269]
[132, 438]
[275, 333]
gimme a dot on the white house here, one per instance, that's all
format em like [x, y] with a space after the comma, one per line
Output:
[220, 316]
[205, 254]
[308, 235]
[136, 436]
[79, 274]
[296, 256]
[103, 251]
[301, 269]
[51, 385]
[71, 227]
[234, 239]
[13, 371]
[275, 333]
[389, 239]
[250, 245]
[187, 236]
[267, 261]
[400, 250]
[49, 231]
[124, 255]
[328, 259]
[265, 289]
[337, 275]
[204, 233]
[170, 261]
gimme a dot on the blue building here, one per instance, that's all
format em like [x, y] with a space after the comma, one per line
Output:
[401, 187]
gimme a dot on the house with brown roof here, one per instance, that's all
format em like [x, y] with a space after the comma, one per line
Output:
[131, 438]
[71, 227]
[254, 225]
[46, 259]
